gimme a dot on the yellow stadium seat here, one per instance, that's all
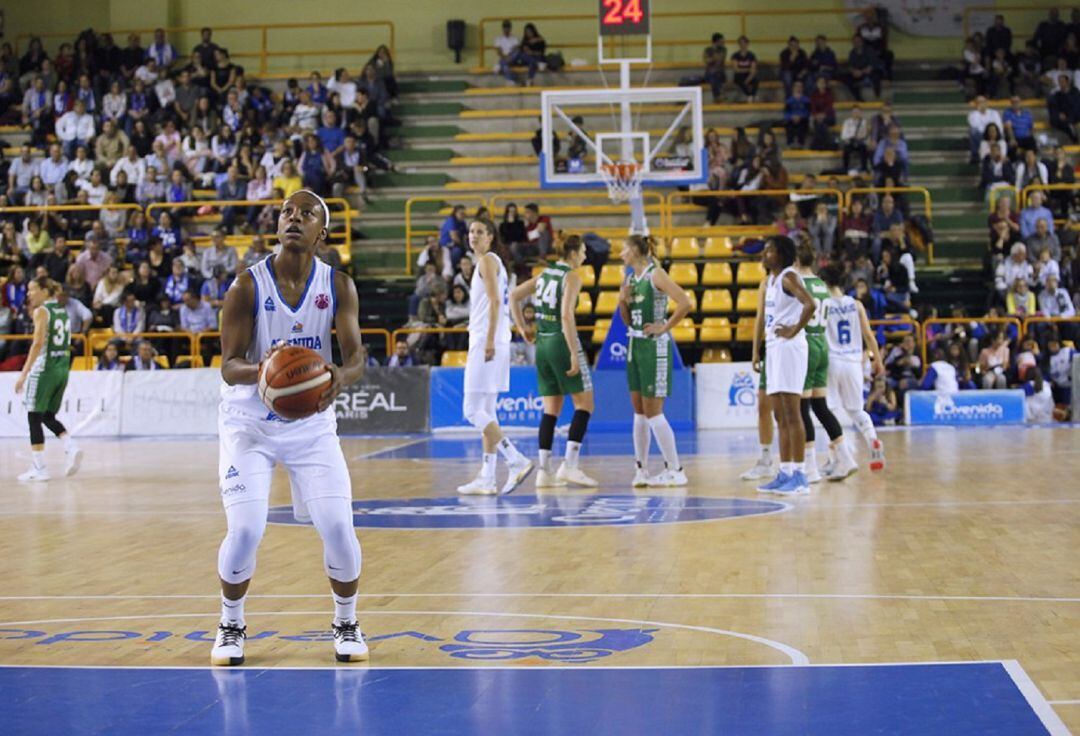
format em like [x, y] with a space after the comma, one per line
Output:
[162, 360]
[455, 358]
[744, 329]
[684, 331]
[747, 300]
[684, 274]
[215, 362]
[716, 355]
[611, 275]
[715, 329]
[584, 303]
[718, 248]
[689, 295]
[685, 248]
[99, 338]
[82, 363]
[717, 274]
[751, 273]
[188, 361]
[588, 276]
[601, 329]
[661, 248]
[607, 302]
[716, 300]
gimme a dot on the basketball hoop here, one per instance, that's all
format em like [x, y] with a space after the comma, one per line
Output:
[623, 180]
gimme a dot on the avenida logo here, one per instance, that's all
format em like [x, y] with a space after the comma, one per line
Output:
[742, 391]
[946, 408]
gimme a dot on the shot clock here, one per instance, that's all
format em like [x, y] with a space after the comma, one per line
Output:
[624, 17]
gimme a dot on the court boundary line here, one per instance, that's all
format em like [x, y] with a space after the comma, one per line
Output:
[1043, 710]
[676, 596]
[796, 656]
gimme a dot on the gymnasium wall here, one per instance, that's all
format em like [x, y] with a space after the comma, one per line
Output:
[420, 26]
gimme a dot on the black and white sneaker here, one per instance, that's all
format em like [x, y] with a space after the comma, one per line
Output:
[228, 648]
[349, 645]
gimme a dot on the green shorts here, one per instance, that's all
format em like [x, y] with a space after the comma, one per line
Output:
[45, 390]
[648, 367]
[817, 367]
[552, 363]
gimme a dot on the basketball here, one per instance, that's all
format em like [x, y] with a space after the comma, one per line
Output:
[291, 381]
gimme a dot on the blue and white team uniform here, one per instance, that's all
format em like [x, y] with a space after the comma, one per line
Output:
[843, 331]
[786, 359]
[252, 438]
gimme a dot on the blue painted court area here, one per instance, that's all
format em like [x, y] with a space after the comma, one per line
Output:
[954, 699]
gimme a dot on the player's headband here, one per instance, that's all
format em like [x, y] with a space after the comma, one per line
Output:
[325, 209]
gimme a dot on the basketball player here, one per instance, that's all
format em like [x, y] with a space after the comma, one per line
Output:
[642, 305]
[487, 367]
[817, 373]
[561, 365]
[45, 376]
[763, 468]
[289, 298]
[846, 345]
[788, 307]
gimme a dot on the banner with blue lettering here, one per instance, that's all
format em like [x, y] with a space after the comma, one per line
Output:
[977, 408]
[613, 353]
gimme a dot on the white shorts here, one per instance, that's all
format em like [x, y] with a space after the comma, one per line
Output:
[845, 390]
[487, 376]
[785, 366]
[309, 449]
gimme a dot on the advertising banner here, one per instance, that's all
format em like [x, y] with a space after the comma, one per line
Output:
[726, 395]
[614, 351]
[980, 408]
[91, 406]
[520, 407]
[385, 401]
[175, 403]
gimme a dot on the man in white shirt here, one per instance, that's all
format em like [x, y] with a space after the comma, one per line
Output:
[165, 90]
[854, 134]
[148, 72]
[21, 173]
[75, 128]
[978, 119]
[510, 54]
[1054, 301]
[305, 117]
[54, 167]
[132, 164]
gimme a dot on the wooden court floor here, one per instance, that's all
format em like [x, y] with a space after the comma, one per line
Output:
[966, 548]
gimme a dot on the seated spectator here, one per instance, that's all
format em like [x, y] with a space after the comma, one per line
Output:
[1057, 366]
[992, 135]
[37, 108]
[75, 285]
[882, 404]
[75, 128]
[196, 315]
[854, 135]
[794, 66]
[997, 171]
[1019, 125]
[1001, 74]
[383, 63]
[144, 358]
[797, 116]
[982, 116]
[21, 173]
[55, 167]
[511, 54]
[1063, 107]
[875, 35]
[822, 115]
[168, 232]
[994, 361]
[1054, 301]
[1016, 266]
[1038, 398]
[288, 183]
[857, 225]
[1020, 300]
[38, 242]
[256, 252]
[93, 262]
[13, 294]
[890, 171]
[107, 294]
[213, 289]
[745, 67]
[1045, 267]
[177, 284]
[328, 254]
[893, 279]
[1027, 359]
[822, 61]
[538, 231]
[464, 274]
[232, 188]
[402, 356]
[145, 286]
[59, 260]
[428, 283]
[947, 373]
[863, 69]
[456, 314]
[161, 316]
[903, 365]
[790, 223]
[884, 219]
[975, 75]
[109, 360]
[1031, 171]
[151, 189]
[454, 233]
[715, 56]
[1043, 240]
[822, 230]
[129, 317]
[1030, 215]
[218, 254]
[998, 36]
[523, 347]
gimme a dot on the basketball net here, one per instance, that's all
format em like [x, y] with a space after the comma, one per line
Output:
[623, 180]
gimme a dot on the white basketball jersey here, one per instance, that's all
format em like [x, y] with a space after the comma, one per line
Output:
[843, 329]
[307, 325]
[946, 377]
[780, 307]
[479, 306]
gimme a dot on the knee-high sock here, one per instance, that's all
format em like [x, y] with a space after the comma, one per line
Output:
[641, 440]
[665, 439]
[865, 425]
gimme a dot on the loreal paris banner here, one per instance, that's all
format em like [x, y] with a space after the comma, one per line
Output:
[91, 406]
[183, 402]
[385, 401]
[726, 395]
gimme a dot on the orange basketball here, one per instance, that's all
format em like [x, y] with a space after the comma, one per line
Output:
[291, 381]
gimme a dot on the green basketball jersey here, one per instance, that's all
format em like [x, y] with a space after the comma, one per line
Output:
[57, 351]
[647, 303]
[549, 298]
[820, 292]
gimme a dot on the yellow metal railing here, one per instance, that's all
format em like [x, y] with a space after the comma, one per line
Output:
[928, 208]
[924, 331]
[654, 204]
[262, 50]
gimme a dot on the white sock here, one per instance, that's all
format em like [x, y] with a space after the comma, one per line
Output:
[69, 443]
[865, 425]
[665, 439]
[487, 468]
[545, 460]
[843, 452]
[572, 451]
[787, 468]
[232, 612]
[344, 608]
[509, 451]
[766, 454]
[37, 457]
[811, 457]
[800, 467]
[641, 440]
